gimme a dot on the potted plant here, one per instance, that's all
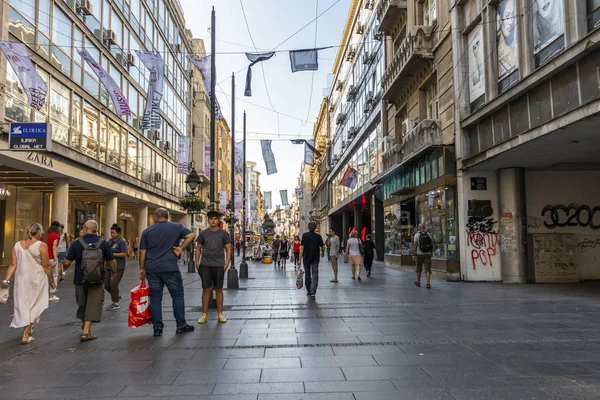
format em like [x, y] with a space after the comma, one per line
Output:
[191, 203]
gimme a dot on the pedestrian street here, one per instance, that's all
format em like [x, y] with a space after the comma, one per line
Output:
[379, 338]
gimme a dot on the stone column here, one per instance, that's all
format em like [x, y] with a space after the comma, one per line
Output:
[513, 225]
[142, 219]
[358, 218]
[377, 227]
[60, 201]
[110, 214]
[345, 225]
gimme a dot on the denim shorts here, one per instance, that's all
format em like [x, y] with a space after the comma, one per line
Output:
[61, 256]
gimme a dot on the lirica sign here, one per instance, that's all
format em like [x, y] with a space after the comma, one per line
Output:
[30, 137]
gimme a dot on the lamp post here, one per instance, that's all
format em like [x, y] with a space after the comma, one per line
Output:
[232, 275]
[192, 183]
[244, 265]
[310, 146]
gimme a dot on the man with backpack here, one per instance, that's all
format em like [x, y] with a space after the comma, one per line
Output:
[90, 253]
[422, 248]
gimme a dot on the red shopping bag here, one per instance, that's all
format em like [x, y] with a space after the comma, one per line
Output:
[139, 312]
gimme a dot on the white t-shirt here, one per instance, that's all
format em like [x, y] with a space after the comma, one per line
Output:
[62, 244]
[353, 247]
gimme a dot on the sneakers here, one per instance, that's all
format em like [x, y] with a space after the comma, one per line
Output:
[202, 319]
[312, 296]
[113, 307]
[54, 298]
[158, 332]
[185, 329]
[222, 319]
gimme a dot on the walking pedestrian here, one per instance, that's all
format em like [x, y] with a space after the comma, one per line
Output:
[276, 246]
[296, 248]
[52, 240]
[90, 253]
[238, 246]
[310, 252]
[284, 252]
[135, 248]
[370, 254]
[63, 245]
[422, 250]
[335, 251]
[118, 247]
[31, 267]
[212, 244]
[159, 252]
[353, 249]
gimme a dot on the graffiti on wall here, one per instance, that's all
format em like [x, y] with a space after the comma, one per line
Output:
[482, 237]
[561, 216]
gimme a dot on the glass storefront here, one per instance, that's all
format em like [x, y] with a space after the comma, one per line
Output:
[435, 209]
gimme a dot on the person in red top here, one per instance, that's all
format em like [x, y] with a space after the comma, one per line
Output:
[296, 250]
[52, 240]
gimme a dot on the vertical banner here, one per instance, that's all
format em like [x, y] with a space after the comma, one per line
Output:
[252, 200]
[309, 156]
[183, 155]
[268, 205]
[154, 63]
[284, 197]
[506, 38]
[476, 64]
[33, 84]
[118, 99]
[222, 201]
[238, 200]
[268, 156]
[239, 157]
[548, 22]
[299, 193]
[203, 65]
[207, 157]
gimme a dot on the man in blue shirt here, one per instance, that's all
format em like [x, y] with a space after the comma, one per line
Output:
[119, 248]
[159, 252]
[90, 298]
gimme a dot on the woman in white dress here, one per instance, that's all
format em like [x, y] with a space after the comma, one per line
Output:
[31, 268]
[353, 249]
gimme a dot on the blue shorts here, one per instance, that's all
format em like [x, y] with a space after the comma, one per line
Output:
[61, 256]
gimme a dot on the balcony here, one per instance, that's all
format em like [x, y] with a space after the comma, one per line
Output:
[426, 134]
[389, 13]
[415, 54]
[391, 158]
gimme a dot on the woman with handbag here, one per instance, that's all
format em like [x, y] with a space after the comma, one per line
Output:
[355, 251]
[30, 265]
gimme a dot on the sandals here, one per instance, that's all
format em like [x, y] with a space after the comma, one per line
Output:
[86, 337]
[428, 286]
[30, 339]
[417, 283]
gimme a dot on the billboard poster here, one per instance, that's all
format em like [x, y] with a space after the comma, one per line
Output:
[506, 38]
[476, 64]
[548, 22]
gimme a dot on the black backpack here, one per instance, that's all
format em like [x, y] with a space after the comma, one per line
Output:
[425, 242]
[92, 262]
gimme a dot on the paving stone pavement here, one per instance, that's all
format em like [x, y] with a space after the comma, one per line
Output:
[381, 338]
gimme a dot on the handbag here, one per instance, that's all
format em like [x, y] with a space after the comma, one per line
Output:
[4, 293]
[346, 260]
[139, 311]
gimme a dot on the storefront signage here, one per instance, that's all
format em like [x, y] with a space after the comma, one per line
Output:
[4, 192]
[125, 215]
[40, 159]
[30, 136]
[478, 183]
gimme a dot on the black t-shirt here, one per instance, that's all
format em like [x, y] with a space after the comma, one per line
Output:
[369, 246]
[312, 243]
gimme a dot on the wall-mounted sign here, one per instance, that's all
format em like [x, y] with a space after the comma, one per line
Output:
[478, 183]
[40, 159]
[30, 137]
[4, 192]
[125, 215]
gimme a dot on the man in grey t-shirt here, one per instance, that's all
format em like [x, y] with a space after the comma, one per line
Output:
[212, 243]
[421, 256]
[334, 240]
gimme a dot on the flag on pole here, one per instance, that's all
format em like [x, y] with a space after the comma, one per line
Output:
[154, 63]
[222, 201]
[203, 65]
[183, 155]
[268, 156]
[350, 178]
[254, 58]
[304, 60]
[299, 193]
[118, 98]
[252, 200]
[267, 201]
[35, 87]
[309, 156]
[239, 157]
[284, 197]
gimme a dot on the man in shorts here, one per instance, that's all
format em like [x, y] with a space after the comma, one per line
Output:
[423, 256]
[334, 241]
[212, 243]
[276, 250]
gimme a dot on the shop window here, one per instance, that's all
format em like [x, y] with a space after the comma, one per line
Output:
[436, 210]
[548, 30]
[114, 145]
[103, 134]
[123, 158]
[89, 138]
[399, 228]
[75, 140]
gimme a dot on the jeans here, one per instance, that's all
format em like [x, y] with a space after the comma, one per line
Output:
[329, 254]
[174, 283]
[311, 276]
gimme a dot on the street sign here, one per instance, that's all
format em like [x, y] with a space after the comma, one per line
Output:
[478, 183]
[24, 136]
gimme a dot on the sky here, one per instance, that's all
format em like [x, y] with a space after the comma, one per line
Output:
[284, 109]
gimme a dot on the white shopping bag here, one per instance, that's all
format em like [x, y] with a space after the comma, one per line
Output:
[4, 293]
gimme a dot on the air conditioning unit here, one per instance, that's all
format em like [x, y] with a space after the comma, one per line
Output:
[360, 29]
[352, 132]
[130, 59]
[369, 4]
[167, 145]
[344, 144]
[351, 54]
[368, 108]
[370, 97]
[155, 135]
[340, 119]
[157, 177]
[111, 36]
[367, 59]
[339, 86]
[332, 108]
[351, 93]
[85, 7]
[378, 35]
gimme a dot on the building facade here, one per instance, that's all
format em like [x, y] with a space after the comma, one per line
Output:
[254, 217]
[417, 175]
[305, 204]
[527, 96]
[318, 180]
[101, 166]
